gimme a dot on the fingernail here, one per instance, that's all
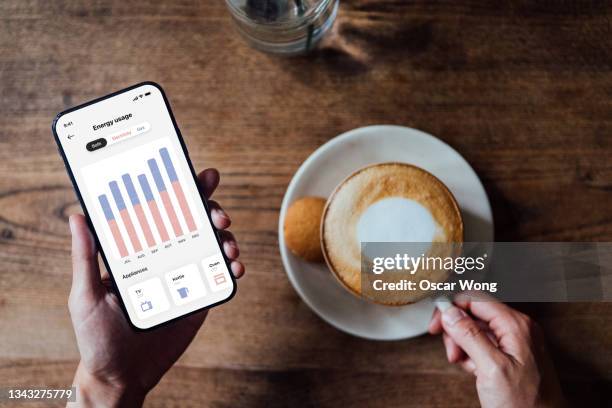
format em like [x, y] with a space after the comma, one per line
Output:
[222, 214]
[452, 315]
[232, 244]
[442, 303]
[469, 364]
[229, 246]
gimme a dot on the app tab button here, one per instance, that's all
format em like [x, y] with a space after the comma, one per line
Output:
[96, 144]
[185, 284]
[148, 298]
[216, 273]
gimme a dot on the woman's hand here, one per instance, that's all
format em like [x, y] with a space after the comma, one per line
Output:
[503, 348]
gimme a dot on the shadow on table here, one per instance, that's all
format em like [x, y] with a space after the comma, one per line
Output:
[356, 46]
[583, 383]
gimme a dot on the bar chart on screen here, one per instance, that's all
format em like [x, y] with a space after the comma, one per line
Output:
[142, 201]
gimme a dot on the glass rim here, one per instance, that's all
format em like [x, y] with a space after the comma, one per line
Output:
[294, 22]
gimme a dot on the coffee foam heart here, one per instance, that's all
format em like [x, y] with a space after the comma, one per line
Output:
[398, 219]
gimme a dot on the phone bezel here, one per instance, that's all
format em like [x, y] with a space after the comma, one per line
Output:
[94, 232]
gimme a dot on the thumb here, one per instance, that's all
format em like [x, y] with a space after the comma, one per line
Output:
[85, 270]
[470, 337]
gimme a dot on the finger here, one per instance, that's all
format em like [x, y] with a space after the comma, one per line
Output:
[508, 326]
[468, 365]
[237, 269]
[468, 335]
[85, 271]
[104, 275]
[487, 331]
[209, 180]
[230, 246]
[454, 354]
[219, 217]
[484, 307]
[435, 325]
[231, 249]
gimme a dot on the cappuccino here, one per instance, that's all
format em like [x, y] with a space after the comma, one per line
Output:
[388, 202]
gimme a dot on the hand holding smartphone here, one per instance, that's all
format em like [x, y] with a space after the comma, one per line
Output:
[132, 174]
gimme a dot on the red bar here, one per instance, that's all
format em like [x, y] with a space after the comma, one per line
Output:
[178, 190]
[125, 216]
[178, 231]
[144, 224]
[158, 221]
[117, 236]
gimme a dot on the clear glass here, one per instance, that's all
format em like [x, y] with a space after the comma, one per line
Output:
[285, 27]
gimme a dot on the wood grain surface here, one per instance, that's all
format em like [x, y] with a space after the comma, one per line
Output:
[522, 89]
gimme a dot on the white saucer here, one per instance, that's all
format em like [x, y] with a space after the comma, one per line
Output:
[327, 167]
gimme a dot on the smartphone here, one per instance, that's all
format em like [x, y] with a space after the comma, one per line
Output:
[129, 166]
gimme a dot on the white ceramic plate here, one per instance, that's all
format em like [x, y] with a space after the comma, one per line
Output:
[325, 169]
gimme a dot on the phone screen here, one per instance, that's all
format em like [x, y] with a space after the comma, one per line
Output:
[136, 184]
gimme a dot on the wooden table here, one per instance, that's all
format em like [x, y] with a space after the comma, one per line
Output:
[522, 90]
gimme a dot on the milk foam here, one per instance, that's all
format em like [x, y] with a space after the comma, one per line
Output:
[397, 219]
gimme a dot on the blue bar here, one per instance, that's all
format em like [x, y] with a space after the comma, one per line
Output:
[146, 189]
[168, 163]
[108, 213]
[159, 182]
[129, 186]
[117, 195]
